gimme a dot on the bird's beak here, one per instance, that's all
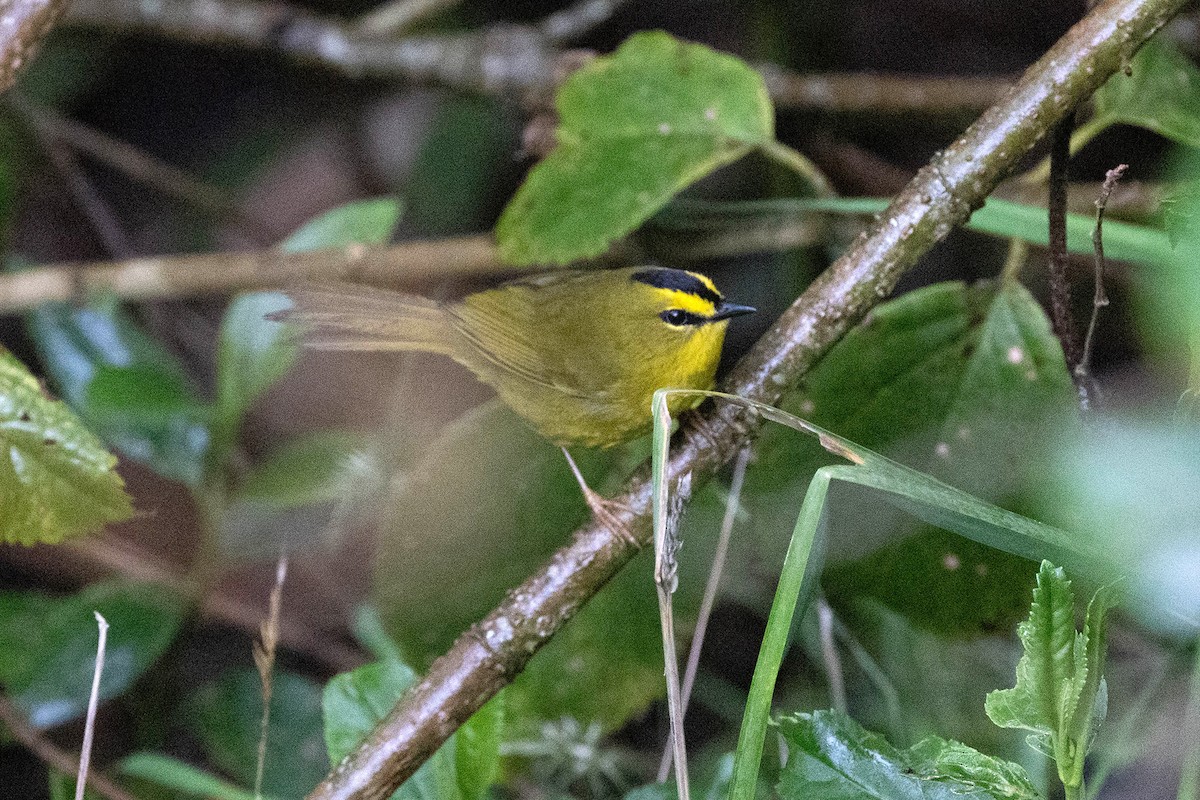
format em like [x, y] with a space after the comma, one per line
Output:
[727, 310]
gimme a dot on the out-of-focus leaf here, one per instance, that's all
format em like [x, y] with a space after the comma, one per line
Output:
[310, 469]
[179, 776]
[834, 758]
[482, 510]
[1161, 93]
[48, 645]
[252, 354]
[461, 769]
[77, 345]
[56, 480]
[450, 187]
[635, 128]
[360, 222]
[1130, 484]
[952, 379]
[227, 715]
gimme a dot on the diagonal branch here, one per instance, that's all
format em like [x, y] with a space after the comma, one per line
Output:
[501, 59]
[941, 196]
[23, 25]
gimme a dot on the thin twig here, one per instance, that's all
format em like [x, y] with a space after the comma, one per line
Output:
[52, 755]
[830, 657]
[1099, 298]
[398, 16]
[1060, 288]
[503, 59]
[89, 201]
[264, 660]
[483, 660]
[578, 19]
[711, 588]
[129, 160]
[89, 728]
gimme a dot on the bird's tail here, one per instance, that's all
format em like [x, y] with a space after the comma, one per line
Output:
[343, 316]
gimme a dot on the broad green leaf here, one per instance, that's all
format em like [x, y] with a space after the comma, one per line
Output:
[103, 342]
[461, 769]
[1168, 310]
[954, 380]
[832, 757]
[310, 469]
[56, 480]
[48, 645]
[252, 354]
[634, 129]
[360, 222]
[1160, 92]
[226, 716]
[181, 777]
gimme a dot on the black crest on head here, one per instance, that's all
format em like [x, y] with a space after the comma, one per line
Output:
[677, 279]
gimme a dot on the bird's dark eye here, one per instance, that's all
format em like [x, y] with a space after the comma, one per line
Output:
[677, 316]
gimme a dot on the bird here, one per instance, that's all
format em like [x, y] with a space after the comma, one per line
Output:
[577, 353]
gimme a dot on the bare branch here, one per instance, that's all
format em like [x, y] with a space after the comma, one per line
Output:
[163, 277]
[51, 754]
[1099, 298]
[941, 196]
[504, 59]
[23, 25]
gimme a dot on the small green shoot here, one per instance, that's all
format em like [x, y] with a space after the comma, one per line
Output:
[924, 497]
[1060, 693]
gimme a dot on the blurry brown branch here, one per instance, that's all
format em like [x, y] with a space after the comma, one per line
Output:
[25, 24]
[940, 197]
[502, 59]
[51, 754]
[161, 277]
[124, 157]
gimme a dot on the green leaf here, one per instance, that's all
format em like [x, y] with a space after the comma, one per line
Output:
[226, 716]
[462, 769]
[1044, 692]
[634, 129]
[178, 776]
[48, 645]
[103, 342]
[56, 480]
[353, 702]
[952, 379]
[252, 354]
[1059, 676]
[360, 222]
[309, 469]
[451, 187]
[832, 757]
[489, 502]
[1160, 92]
